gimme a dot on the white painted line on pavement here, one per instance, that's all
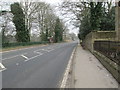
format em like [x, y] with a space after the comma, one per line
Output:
[44, 50]
[65, 77]
[37, 50]
[48, 50]
[2, 67]
[39, 53]
[10, 57]
[17, 64]
[24, 56]
[13, 56]
[33, 57]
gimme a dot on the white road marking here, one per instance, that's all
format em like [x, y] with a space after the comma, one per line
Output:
[41, 53]
[13, 56]
[17, 64]
[2, 67]
[26, 53]
[65, 77]
[32, 57]
[37, 50]
[10, 57]
[48, 50]
[24, 56]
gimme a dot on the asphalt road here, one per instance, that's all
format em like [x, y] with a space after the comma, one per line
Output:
[36, 67]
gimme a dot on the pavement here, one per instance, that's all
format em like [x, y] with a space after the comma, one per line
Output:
[90, 73]
[36, 67]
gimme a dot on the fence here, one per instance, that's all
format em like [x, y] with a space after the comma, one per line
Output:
[110, 49]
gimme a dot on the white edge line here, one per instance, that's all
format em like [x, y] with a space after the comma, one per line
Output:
[65, 77]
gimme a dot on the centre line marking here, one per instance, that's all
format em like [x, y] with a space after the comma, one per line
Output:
[24, 56]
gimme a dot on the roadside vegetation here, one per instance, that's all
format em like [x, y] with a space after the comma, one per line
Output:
[31, 23]
[90, 16]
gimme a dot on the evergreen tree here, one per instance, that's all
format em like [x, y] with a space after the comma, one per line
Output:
[22, 34]
[98, 18]
[95, 15]
[58, 31]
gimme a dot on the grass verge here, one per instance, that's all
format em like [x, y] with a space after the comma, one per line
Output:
[19, 47]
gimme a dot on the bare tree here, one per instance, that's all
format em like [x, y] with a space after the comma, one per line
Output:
[6, 24]
[29, 8]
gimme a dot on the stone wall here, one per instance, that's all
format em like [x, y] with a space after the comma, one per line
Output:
[117, 21]
[104, 35]
[111, 66]
[88, 41]
[98, 35]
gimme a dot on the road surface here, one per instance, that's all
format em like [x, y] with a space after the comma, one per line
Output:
[36, 67]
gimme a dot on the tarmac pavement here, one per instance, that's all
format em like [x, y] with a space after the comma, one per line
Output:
[37, 67]
[90, 73]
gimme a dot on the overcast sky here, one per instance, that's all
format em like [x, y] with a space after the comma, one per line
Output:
[53, 3]
[71, 28]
